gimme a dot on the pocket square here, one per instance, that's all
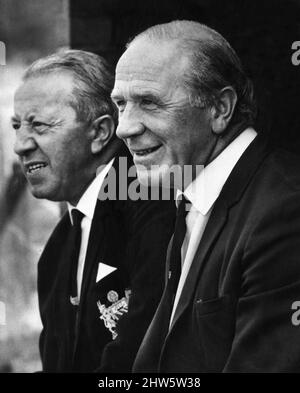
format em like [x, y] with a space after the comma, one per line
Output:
[104, 270]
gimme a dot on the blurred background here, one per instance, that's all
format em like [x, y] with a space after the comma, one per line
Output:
[262, 32]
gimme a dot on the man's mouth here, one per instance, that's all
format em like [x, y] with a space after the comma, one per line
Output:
[145, 152]
[35, 167]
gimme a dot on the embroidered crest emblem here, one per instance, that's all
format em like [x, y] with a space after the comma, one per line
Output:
[111, 314]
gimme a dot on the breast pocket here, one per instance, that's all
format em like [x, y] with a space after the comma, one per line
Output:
[212, 305]
[110, 288]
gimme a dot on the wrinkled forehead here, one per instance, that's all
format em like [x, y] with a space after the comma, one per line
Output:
[44, 91]
[151, 56]
[155, 65]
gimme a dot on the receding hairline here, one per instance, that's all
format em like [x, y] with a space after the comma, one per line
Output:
[54, 73]
[70, 96]
[179, 31]
[184, 35]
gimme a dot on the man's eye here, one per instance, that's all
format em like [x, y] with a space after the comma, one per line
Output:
[120, 105]
[149, 104]
[39, 126]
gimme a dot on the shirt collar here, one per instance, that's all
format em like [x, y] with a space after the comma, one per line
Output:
[206, 188]
[87, 202]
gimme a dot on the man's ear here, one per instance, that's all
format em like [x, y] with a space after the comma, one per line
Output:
[103, 129]
[223, 110]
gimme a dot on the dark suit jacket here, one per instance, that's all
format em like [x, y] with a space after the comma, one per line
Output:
[131, 236]
[235, 311]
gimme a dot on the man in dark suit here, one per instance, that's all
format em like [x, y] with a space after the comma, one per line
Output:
[230, 303]
[99, 277]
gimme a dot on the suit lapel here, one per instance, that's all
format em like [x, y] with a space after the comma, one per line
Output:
[56, 253]
[99, 239]
[148, 356]
[230, 194]
[214, 227]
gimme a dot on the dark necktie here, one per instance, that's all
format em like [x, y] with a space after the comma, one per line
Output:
[175, 254]
[75, 242]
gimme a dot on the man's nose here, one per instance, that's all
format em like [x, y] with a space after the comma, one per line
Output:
[24, 142]
[130, 124]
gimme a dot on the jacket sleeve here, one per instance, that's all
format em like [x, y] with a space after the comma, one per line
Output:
[151, 224]
[267, 331]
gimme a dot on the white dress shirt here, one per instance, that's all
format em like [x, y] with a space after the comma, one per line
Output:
[86, 206]
[202, 194]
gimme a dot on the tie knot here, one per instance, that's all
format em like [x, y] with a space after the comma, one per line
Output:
[77, 217]
[182, 207]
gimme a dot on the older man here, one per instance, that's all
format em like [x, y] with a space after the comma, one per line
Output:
[99, 277]
[233, 268]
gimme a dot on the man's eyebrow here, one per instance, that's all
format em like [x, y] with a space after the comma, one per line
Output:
[137, 95]
[29, 118]
[146, 94]
[116, 95]
[14, 119]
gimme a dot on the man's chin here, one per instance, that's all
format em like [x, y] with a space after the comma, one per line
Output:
[156, 177]
[42, 193]
[148, 178]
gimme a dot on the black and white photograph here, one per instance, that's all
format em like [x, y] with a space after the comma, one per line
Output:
[149, 189]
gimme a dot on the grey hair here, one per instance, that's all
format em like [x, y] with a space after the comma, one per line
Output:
[213, 65]
[93, 81]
